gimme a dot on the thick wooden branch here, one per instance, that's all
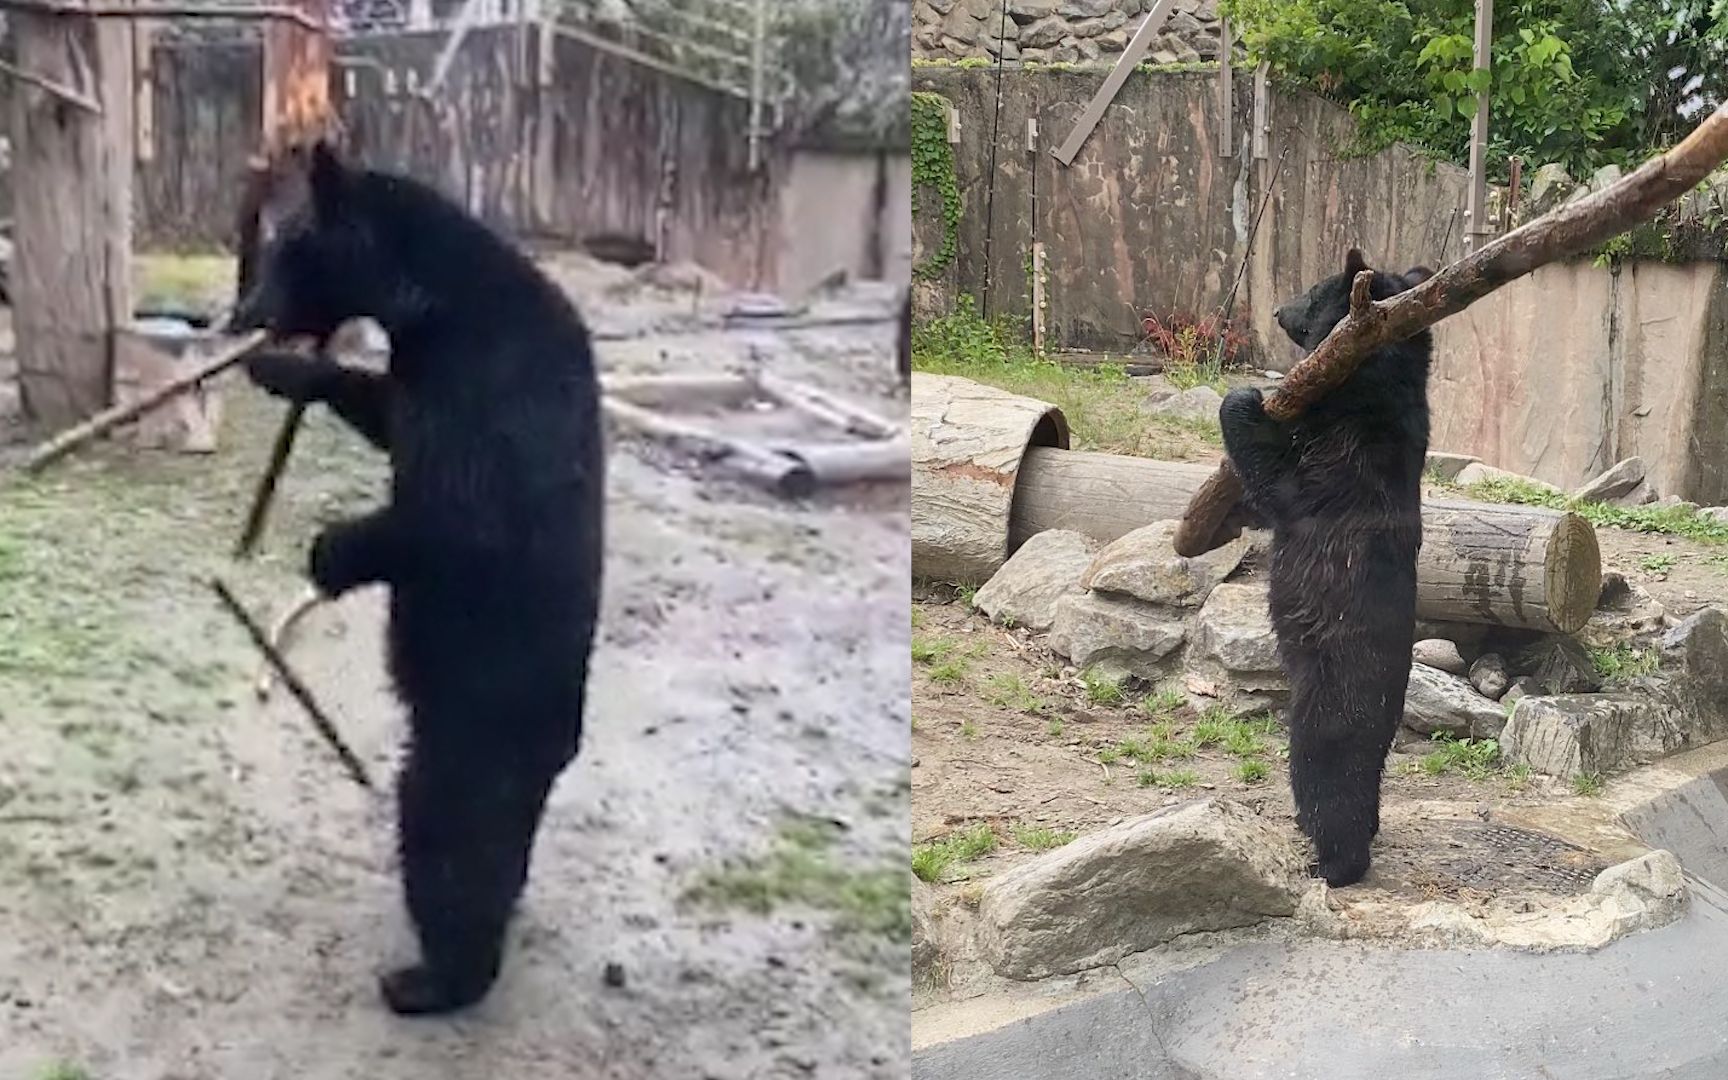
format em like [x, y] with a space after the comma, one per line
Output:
[1569, 230]
[65, 93]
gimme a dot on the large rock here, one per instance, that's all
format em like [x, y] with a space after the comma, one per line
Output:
[1616, 482]
[1694, 667]
[1045, 569]
[1122, 635]
[1440, 653]
[1522, 687]
[1642, 495]
[1560, 665]
[1043, 33]
[1144, 564]
[1576, 734]
[1550, 186]
[1235, 629]
[1439, 701]
[1204, 865]
[1447, 466]
[1196, 403]
[926, 943]
[1625, 613]
[1477, 472]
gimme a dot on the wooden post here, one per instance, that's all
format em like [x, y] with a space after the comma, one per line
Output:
[1476, 219]
[1226, 93]
[1137, 47]
[1514, 195]
[72, 207]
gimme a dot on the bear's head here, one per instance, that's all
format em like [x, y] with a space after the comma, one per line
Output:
[1310, 317]
[319, 266]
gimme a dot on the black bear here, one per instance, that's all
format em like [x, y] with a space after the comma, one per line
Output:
[490, 543]
[1341, 487]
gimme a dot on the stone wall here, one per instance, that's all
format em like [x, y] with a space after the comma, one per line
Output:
[1059, 31]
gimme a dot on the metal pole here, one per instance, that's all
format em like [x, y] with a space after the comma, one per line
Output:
[758, 57]
[1476, 222]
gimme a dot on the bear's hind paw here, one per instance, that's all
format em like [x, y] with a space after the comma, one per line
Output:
[419, 991]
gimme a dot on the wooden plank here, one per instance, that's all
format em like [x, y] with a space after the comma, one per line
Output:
[1037, 296]
[1476, 211]
[1126, 63]
[1262, 129]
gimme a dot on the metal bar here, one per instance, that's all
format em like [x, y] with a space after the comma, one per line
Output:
[1130, 58]
[1226, 92]
[758, 56]
[1476, 223]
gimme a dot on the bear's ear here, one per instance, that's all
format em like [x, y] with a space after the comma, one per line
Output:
[1354, 263]
[1416, 275]
[329, 179]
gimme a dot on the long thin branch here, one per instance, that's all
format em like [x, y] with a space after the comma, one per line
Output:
[59, 90]
[1569, 230]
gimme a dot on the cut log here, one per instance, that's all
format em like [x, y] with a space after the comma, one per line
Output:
[1480, 562]
[968, 443]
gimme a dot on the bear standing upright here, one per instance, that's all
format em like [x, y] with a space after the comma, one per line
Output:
[1341, 486]
[490, 543]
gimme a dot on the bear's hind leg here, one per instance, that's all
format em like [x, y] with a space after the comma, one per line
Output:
[468, 821]
[1337, 753]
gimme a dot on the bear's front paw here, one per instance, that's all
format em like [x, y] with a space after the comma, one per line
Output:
[337, 562]
[289, 375]
[1243, 405]
[419, 991]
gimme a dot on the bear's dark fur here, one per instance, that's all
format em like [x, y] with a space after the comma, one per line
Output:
[490, 543]
[1341, 487]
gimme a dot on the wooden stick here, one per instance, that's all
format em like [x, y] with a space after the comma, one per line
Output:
[777, 472]
[1570, 230]
[351, 763]
[279, 631]
[266, 491]
[64, 93]
[103, 422]
[825, 407]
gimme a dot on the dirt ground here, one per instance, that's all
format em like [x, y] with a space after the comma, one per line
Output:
[1007, 735]
[191, 890]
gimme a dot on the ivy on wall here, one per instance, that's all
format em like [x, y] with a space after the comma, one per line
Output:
[933, 166]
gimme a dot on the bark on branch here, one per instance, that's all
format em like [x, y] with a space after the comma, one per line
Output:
[1568, 231]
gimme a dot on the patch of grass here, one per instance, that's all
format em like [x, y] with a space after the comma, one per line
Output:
[918, 618]
[1657, 564]
[968, 595]
[1241, 738]
[1622, 663]
[1010, 692]
[1162, 704]
[1474, 759]
[949, 671]
[1101, 404]
[1103, 689]
[968, 729]
[1159, 745]
[63, 1070]
[1251, 771]
[1054, 728]
[1110, 755]
[801, 869]
[1587, 784]
[928, 650]
[931, 861]
[1683, 521]
[1174, 779]
[1518, 777]
[1041, 839]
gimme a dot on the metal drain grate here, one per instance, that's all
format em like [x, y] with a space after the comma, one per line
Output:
[1497, 858]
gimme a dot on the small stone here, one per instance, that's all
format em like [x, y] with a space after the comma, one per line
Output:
[1043, 33]
[1616, 482]
[1642, 495]
[1437, 701]
[1489, 676]
[614, 976]
[1439, 653]
[1574, 735]
[1550, 186]
[1123, 635]
[1560, 665]
[1718, 514]
[1522, 686]
[1235, 629]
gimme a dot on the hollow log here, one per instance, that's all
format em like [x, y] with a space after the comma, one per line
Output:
[1480, 562]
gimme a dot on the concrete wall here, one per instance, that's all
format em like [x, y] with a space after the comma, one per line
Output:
[844, 210]
[1558, 375]
[1561, 374]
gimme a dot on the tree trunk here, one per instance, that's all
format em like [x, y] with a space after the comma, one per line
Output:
[1480, 562]
[72, 209]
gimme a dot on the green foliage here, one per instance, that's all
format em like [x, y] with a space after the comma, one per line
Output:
[931, 861]
[1476, 759]
[1683, 521]
[1581, 82]
[933, 166]
[1622, 663]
